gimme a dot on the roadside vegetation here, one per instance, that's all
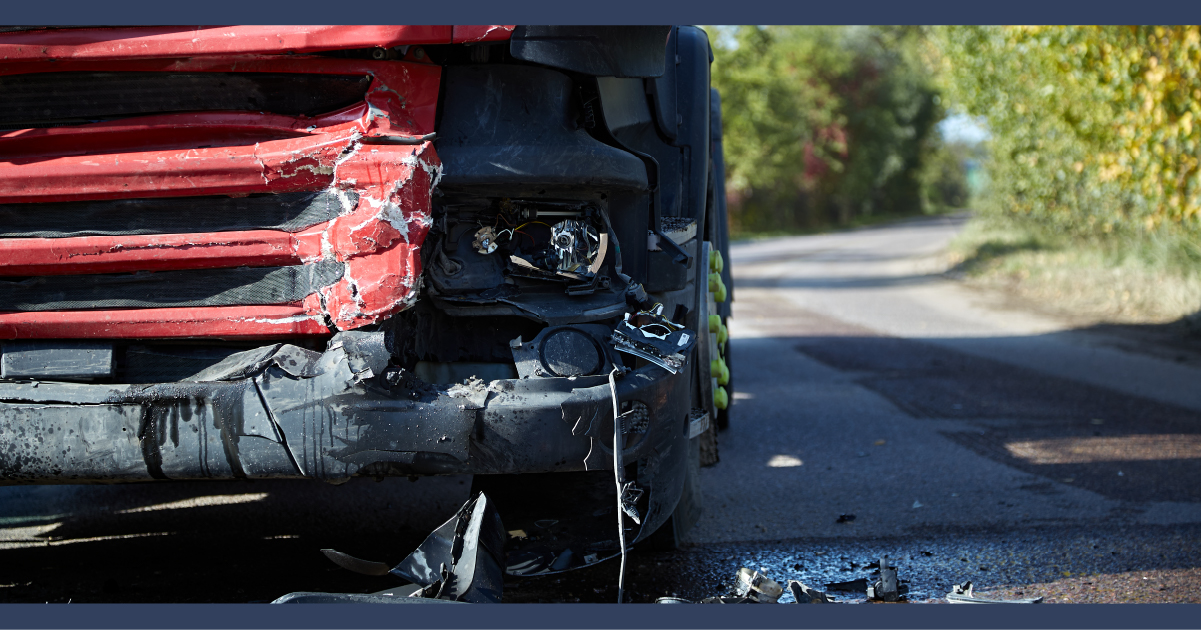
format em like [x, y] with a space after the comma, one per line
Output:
[1120, 279]
[1086, 194]
[1094, 194]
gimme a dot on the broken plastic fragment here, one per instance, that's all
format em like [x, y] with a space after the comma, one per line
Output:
[653, 337]
[807, 594]
[754, 585]
[466, 550]
[962, 594]
[471, 544]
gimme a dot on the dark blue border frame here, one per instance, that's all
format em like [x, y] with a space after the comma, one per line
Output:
[536, 616]
[598, 615]
[608, 12]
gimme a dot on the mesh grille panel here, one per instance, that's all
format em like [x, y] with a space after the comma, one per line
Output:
[202, 287]
[289, 212]
[167, 364]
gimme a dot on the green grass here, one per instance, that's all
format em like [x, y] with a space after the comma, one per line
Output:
[1128, 278]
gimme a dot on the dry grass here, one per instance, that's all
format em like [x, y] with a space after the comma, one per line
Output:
[1149, 280]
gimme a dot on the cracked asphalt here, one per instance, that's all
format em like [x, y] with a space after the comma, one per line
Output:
[972, 438]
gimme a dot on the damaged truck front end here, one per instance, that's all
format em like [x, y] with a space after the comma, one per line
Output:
[327, 252]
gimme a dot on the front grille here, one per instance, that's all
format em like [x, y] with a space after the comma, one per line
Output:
[289, 212]
[163, 289]
[168, 363]
[92, 251]
[55, 98]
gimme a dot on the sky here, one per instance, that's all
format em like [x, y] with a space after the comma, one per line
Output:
[963, 128]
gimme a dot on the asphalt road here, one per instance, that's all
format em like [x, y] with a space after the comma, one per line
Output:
[969, 437]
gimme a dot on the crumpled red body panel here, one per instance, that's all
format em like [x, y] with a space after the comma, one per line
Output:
[377, 149]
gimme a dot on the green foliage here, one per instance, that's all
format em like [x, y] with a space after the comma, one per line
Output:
[826, 124]
[1093, 127]
[944, 176]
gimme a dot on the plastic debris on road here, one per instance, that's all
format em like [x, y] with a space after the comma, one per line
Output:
[807, 594]
[887, 588]
[962, 594]
[461, 561]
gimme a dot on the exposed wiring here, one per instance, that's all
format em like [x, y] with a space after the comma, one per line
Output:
[532, 222]
[621, 532]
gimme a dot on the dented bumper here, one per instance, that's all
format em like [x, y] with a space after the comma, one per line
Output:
[284, 412]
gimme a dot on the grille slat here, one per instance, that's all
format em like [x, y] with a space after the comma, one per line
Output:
[163, 289]
[49, 98]
[288, 212]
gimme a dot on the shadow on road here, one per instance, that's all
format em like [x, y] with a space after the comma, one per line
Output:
[210, 541]
[1120, 446]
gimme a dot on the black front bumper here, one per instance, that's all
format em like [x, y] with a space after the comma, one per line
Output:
[341, 413]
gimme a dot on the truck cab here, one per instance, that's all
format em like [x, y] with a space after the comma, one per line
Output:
[251, 252]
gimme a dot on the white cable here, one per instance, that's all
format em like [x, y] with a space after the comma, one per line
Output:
[621, 532]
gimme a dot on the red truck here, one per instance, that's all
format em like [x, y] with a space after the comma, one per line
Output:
[248, 252]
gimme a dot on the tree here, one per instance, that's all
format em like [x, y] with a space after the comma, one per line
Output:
[826, 124]
[1093, 126]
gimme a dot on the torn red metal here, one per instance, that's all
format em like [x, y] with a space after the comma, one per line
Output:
[155, 252]
[217, 322]
[378, 149]
[478, 33]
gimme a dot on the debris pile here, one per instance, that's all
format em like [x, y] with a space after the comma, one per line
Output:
[753, 587]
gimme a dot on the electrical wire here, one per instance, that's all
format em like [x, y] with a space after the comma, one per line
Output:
[621, 531]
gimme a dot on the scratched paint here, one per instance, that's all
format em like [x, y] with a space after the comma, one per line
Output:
[378, 149]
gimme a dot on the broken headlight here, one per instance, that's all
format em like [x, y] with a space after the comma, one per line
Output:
[651, 336]
[574, 245]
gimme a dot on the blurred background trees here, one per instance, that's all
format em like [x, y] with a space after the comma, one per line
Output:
[832, 125]
[1094, 128]
[1084, 180]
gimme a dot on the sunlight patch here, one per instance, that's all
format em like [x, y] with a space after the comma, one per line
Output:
[1126, 448]
[209, 501]
[783, 461]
